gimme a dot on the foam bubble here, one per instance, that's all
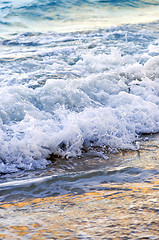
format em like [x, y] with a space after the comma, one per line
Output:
[152, 67]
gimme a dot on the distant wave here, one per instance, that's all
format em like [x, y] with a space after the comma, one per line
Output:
[40, 8]
[72, 15]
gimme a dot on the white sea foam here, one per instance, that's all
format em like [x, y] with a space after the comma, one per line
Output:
[88, 89]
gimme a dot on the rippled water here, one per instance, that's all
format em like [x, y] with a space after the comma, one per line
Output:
[71, 15]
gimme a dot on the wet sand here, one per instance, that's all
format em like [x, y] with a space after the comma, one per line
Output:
[116, 211]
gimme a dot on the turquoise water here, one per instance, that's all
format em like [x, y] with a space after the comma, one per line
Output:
[79, 80]
[64, 16]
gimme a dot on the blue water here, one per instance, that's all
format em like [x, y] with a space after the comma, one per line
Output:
[57, 16]
[79, 81]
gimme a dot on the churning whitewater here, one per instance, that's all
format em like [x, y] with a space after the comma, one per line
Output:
[62, 92]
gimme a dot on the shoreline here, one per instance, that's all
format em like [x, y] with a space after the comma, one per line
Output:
[127, 210]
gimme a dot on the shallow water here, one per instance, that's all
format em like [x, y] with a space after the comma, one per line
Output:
[119, 200]
[81, 175]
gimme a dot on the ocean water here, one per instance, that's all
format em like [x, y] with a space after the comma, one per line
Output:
[77, 78]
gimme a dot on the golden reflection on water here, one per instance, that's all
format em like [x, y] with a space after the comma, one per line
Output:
[147, 157]
[117, 211]
[126, 211]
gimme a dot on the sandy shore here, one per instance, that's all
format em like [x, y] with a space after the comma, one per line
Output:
[116, 211]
